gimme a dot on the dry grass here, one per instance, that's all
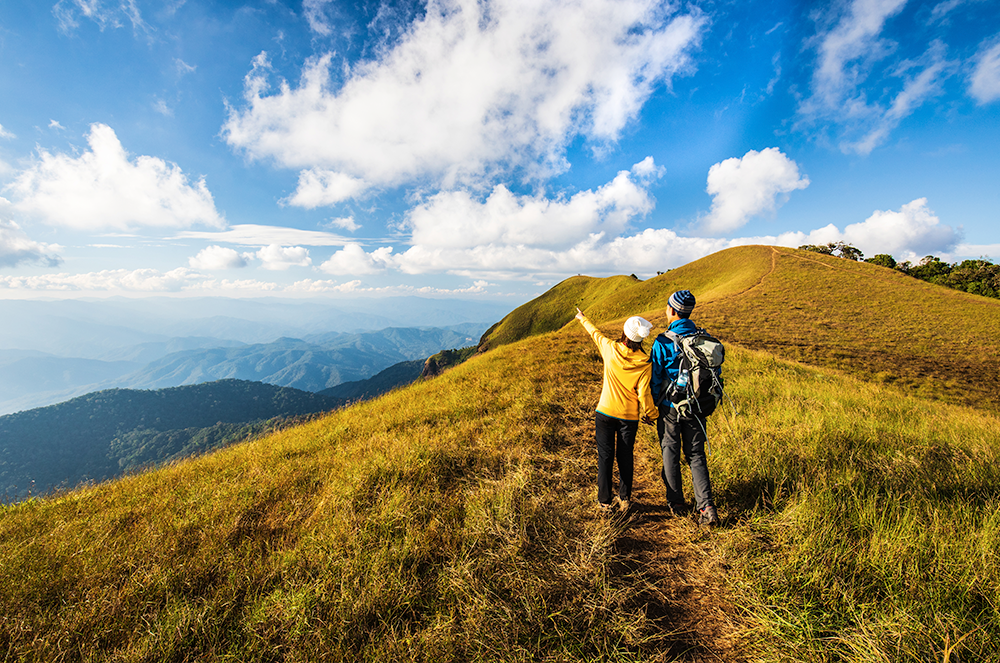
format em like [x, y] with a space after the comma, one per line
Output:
[453, 520]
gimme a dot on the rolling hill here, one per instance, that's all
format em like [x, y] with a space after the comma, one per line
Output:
[452, 520]
[108, 433]
[870, 321]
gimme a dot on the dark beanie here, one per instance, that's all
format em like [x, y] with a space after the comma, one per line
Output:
[683, 302]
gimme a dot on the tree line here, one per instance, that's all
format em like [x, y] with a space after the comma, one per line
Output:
[980, 276]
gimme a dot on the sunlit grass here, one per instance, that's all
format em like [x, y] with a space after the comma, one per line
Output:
[865, 522]
[453, 520]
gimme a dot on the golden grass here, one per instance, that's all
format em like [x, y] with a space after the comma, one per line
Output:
[452, 520]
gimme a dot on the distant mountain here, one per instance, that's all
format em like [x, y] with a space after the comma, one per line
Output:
[399, 375]
[95, 329]
[103, 434]
[384, 381]
[30, 379]
[324, 361]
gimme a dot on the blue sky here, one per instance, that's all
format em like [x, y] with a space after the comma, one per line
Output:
[479, 147]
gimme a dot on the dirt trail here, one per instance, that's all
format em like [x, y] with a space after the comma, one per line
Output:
[673, 560]
[679, 559]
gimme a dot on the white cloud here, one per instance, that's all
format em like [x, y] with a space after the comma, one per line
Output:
[139, 280]
[104, 189]
[183, 67]
[6, 134]
[978, 250]
[161, 107]
[848, 70]
[53, 124]
[353, 259]
[114, 15]
[346, 223]
[217, 257]
[470, 88]
[276, 257]
[16, 248]
[311, 286]
[248, 234]
[757, 183]
[456, 219]
[912, 231]
[320, 188]
[984, 84]
[315, 12]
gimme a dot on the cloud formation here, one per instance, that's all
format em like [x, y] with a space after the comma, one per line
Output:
[353, 260]
[320, 188]
[519, 82]
[912, 231]
[138, 280]
[68, 14]
[984, 83]
[217, 257]
[16, 248]
[249, 234]
[103, 189]
[850, 67]
[279, 258]
[741, 188]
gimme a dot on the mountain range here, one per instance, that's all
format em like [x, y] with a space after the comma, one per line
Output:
[315, 362]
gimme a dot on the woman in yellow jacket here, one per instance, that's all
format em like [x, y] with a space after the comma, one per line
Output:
[625, 399]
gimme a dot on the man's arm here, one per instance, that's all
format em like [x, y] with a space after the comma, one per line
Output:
[647, 406]
[660, 359]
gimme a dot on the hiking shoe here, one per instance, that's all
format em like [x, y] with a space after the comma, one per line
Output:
[708, 516]
[605, 509]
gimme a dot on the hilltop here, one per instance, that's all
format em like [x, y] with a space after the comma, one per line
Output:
[870, 321]
[452, 520]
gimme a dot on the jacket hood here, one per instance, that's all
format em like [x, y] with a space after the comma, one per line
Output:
[631, 359]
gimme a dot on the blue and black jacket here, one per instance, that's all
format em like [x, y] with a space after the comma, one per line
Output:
[666, 359]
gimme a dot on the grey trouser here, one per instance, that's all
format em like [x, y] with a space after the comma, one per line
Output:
[687, 435]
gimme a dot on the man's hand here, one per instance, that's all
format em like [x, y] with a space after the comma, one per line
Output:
[647, 420]
[579, 313]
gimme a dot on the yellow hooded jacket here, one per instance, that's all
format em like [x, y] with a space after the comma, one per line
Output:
[626, 379]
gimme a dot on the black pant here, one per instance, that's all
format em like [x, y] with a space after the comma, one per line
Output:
[615, 439]
[689, 436]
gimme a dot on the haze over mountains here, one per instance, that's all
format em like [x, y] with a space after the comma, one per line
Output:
[51, 351]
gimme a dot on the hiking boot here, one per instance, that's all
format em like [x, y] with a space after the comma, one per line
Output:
[708, 517]
[605, 509]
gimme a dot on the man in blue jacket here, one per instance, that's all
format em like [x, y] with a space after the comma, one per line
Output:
[688, 433]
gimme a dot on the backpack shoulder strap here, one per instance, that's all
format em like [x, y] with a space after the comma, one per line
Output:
[671, 336]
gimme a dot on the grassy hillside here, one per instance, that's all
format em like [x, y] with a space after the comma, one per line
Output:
[870, 321]
[454, 520]
[553, 309]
